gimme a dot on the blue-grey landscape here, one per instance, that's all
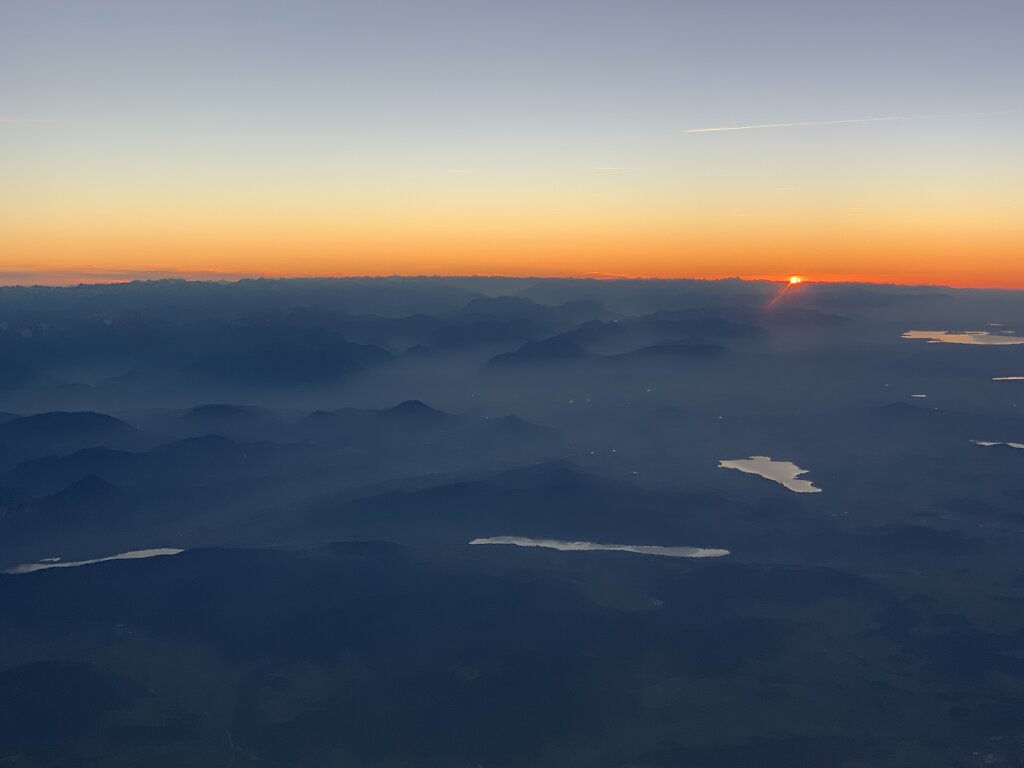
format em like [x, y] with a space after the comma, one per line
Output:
[497, 522]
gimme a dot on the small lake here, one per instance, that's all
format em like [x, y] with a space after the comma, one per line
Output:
[785, 473]
[990, 443]
[55, 562]
[964, 337]
[590, 546]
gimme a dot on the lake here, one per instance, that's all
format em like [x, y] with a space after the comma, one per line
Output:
[785, 473]
[590, 546]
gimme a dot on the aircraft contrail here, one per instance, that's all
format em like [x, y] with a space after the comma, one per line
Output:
[836, 122]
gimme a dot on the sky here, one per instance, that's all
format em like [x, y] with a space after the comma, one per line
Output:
[221, 138]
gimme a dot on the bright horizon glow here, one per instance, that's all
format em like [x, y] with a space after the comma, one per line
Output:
[90, 276]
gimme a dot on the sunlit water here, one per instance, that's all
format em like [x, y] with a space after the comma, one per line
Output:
[784, 473]
[53, 562]
[964, 337]
[589, 546]
[990, 443]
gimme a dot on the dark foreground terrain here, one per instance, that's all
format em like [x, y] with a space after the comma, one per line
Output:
[311, 460]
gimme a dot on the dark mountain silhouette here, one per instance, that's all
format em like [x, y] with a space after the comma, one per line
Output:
[553, 350]
[244, 423]
[413, 409]
[562, 350]
[290, 365]
[673, 351]
[551, 318]
[355, 424]
[59, 432]
[48, 474]
[560, 475]
[60, 426]
[218, 414]
[88, 503]
[664, 327]
[417, 351]
[704, 324]
[486, 332]
[547, 500]
[515, 428]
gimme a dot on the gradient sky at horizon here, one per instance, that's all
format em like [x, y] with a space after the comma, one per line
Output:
[530, 138]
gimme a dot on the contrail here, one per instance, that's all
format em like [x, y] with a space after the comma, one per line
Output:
[837, 122]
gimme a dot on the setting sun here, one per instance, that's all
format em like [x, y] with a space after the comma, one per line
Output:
[795, 280]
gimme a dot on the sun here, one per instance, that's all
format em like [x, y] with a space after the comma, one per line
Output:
[795, 280]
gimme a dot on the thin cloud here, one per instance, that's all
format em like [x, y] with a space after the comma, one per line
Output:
[836, 122]
[613, 168]
[23, 120]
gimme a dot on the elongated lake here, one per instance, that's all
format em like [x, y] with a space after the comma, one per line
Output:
[590, 546]
[54, 562]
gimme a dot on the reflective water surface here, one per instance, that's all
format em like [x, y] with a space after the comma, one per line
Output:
[55, 562]
[589, 546]
[990, 443]
[964, 337]
[784, 473]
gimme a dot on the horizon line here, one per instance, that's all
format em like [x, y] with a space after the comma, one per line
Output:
[82, 278]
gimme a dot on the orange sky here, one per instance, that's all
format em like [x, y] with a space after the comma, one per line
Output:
[743, 205]
[965, 248]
